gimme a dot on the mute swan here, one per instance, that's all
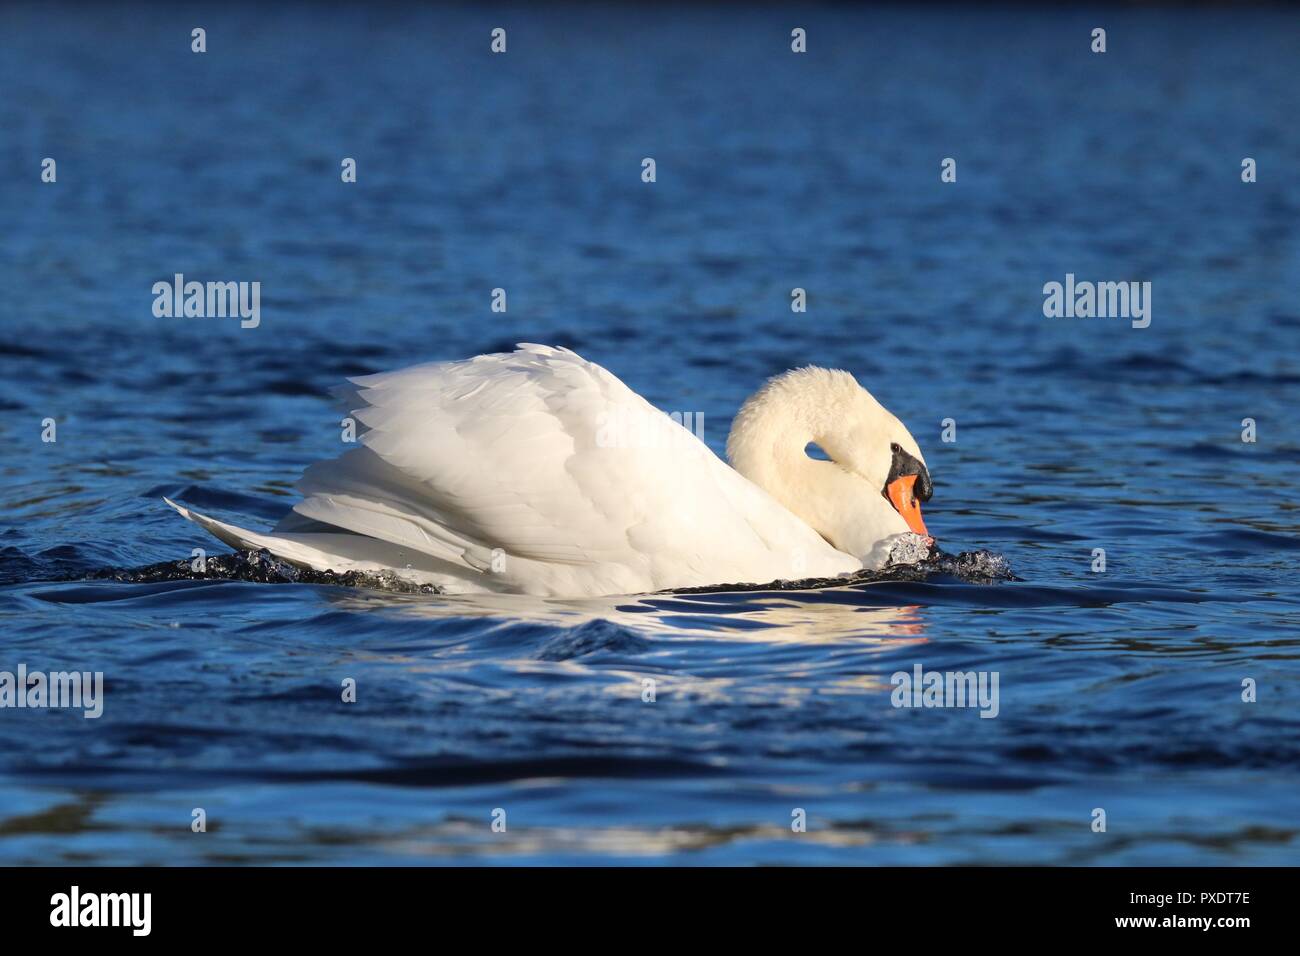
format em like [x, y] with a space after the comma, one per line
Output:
[538, 472]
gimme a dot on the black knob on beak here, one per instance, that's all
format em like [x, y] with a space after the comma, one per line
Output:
[923, 488]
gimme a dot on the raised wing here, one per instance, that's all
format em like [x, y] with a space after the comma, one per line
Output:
[544, 468]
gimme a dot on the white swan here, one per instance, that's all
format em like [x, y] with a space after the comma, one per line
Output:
[538, 472]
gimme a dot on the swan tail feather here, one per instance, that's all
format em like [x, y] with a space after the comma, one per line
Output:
[317, 546]
[291, 551]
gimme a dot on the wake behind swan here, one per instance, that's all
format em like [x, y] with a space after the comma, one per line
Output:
[517, 473]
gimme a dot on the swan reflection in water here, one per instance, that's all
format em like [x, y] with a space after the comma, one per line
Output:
[784, 617]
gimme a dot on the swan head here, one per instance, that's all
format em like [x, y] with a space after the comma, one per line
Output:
[871, 488]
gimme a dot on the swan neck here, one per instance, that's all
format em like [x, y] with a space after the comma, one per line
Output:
[770, 435]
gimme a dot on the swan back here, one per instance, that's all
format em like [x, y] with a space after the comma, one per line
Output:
[514, 470]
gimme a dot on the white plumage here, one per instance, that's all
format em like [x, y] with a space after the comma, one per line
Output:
[539, 472]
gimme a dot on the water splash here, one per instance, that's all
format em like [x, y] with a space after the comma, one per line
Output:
[910, 560]
[261, 567]
[970, 567]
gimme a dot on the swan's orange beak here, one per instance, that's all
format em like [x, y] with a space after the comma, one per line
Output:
[903, 498]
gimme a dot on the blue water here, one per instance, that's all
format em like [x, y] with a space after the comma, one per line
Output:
[1120, 690]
